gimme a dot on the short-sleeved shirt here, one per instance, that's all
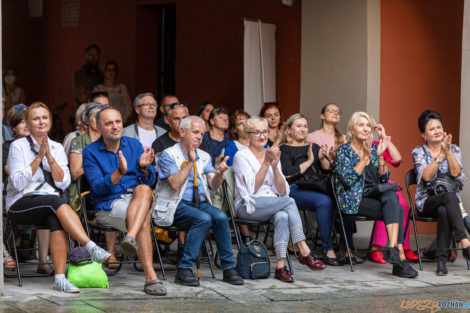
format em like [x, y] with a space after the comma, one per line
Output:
[167, 167]
[79, 143]
[214, 147]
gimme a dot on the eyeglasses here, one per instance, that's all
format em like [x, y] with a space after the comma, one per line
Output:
[175, 105]
[339, 112]
[149, 104]
[258, 134]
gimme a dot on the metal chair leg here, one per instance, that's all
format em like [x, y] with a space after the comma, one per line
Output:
[209, 254]
[157, 250]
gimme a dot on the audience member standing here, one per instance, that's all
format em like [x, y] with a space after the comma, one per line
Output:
[117, 93]
[144, 130]
[12, 93]
[90, 75]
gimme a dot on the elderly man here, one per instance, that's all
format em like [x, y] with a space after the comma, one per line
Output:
[185, 173]
[166, 101]
[119, 172]
[144, 130]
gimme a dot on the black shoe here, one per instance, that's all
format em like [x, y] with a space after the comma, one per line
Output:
[355, 260]
[441, 268]
[392, 256]
[331, 261]
[232, 276]
[466, 253]
[466, 222]
[185, 276]
[404, 270]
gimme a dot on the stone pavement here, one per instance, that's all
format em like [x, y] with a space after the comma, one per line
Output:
[371, 288]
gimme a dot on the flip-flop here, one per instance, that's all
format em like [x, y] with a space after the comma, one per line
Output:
[129, 246]
[155, 288]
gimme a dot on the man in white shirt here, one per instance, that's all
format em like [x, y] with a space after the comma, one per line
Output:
[144, 130]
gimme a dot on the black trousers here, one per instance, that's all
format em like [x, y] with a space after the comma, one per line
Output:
[445, 207]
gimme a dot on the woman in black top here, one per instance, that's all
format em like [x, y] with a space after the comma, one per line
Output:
[299, 159]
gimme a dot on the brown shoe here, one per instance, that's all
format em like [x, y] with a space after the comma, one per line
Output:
[283, 275]
[312, 262]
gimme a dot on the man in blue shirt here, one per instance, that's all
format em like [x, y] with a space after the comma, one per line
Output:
[120, 175]
[179, 186]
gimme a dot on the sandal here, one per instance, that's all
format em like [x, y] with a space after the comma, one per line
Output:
[45, 269]
[8, 261]
[129, 246]
[111, 263]
[155, 288]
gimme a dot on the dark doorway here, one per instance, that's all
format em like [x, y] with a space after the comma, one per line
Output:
[167, 48]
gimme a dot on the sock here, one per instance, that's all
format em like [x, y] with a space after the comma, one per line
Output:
[180, 246]
[59, 277]
[90, 246]
[464, 214]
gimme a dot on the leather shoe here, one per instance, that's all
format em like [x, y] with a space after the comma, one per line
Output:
[441, 268]
[466, 253]
[404, 270]
[311, 261]
[377, 256]
[329, 261]
[283, 275]
[185, 276]
[355, 259]
[392, 256]
[232, 276]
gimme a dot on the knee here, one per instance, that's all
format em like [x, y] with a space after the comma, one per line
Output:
[143, 191]
[442, 212]
[391, 196]
[450, 198]
[324, 202]
[281, 217]
[220, 217]
[204, 219]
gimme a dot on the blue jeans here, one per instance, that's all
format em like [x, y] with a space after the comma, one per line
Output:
[323, 207]
[197, 221]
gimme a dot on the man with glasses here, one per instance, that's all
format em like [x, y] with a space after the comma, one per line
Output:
[144, 130]
[183, 199]
[166, 101]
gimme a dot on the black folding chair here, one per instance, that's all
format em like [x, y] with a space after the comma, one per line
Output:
[411, 179]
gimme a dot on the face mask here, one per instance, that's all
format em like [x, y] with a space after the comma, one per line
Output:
[10, 79]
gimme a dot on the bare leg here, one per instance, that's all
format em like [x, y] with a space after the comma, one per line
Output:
[43, 236]
[138, 209]
[71, 224]
[465, 243]
[280, 263]
[59, 249]
[245, 230]
[303, 248]
[110, 238]
[181, 237]
[145, 251]
[392, 232]
[401, 251]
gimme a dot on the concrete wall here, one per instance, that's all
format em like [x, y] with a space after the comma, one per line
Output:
[334, 57]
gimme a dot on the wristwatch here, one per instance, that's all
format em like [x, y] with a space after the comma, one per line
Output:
[438, 162]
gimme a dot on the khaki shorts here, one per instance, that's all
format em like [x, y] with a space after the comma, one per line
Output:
[117, 216]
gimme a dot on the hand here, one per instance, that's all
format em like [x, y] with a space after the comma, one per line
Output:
[380, 129]
[122, 164]
[43, 148]
[222, 167]
[445, 146]
[323, 153]
[367, 148]
[383, 145]
[192, 155]
[269, 155]
[45, 141]
[332, 153]
[277, 156]
[310, 155]
[146, 158]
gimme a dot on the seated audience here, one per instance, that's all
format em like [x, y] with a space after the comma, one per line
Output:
[204, 111]
[8, 261]
[262, 194]
[216, 138]
[120, 174]
[36, 161]
[360, 165]
[437, 157]
[272, 113]
[240, 140]
[184, 175]
[90, 75]
[391, 156]
[100, 97]
[144, 130]
[299, 160]
[117, 93]
[80, 128]
[166, 101]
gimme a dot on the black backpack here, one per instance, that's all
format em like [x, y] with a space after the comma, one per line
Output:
[253, 261]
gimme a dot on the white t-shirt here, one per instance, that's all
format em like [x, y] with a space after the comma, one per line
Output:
[147, 137]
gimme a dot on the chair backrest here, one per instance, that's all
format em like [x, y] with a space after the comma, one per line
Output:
[228, 187]
[411, 177]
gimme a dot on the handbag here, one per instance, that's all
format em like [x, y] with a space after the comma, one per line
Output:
[253, 261]
[316, 181]
[373, 191]
[444, 183]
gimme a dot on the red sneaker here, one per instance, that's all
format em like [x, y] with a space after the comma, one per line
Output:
[410, 255]
[377, 256]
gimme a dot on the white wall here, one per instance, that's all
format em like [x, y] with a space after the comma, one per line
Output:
[465, 102]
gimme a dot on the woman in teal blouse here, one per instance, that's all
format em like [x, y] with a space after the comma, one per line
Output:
[360, 164]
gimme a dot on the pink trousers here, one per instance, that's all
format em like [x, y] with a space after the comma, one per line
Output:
[380, 234]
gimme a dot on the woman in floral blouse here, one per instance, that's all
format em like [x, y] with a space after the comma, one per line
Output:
[360, 164]
[438, 154]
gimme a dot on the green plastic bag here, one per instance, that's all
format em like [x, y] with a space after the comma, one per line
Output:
[89, 275]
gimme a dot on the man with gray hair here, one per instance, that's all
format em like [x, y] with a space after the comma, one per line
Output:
[144, 130]
[183, 199]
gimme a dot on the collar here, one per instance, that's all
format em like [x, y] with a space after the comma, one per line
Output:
[102, 147]
[185, 156]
